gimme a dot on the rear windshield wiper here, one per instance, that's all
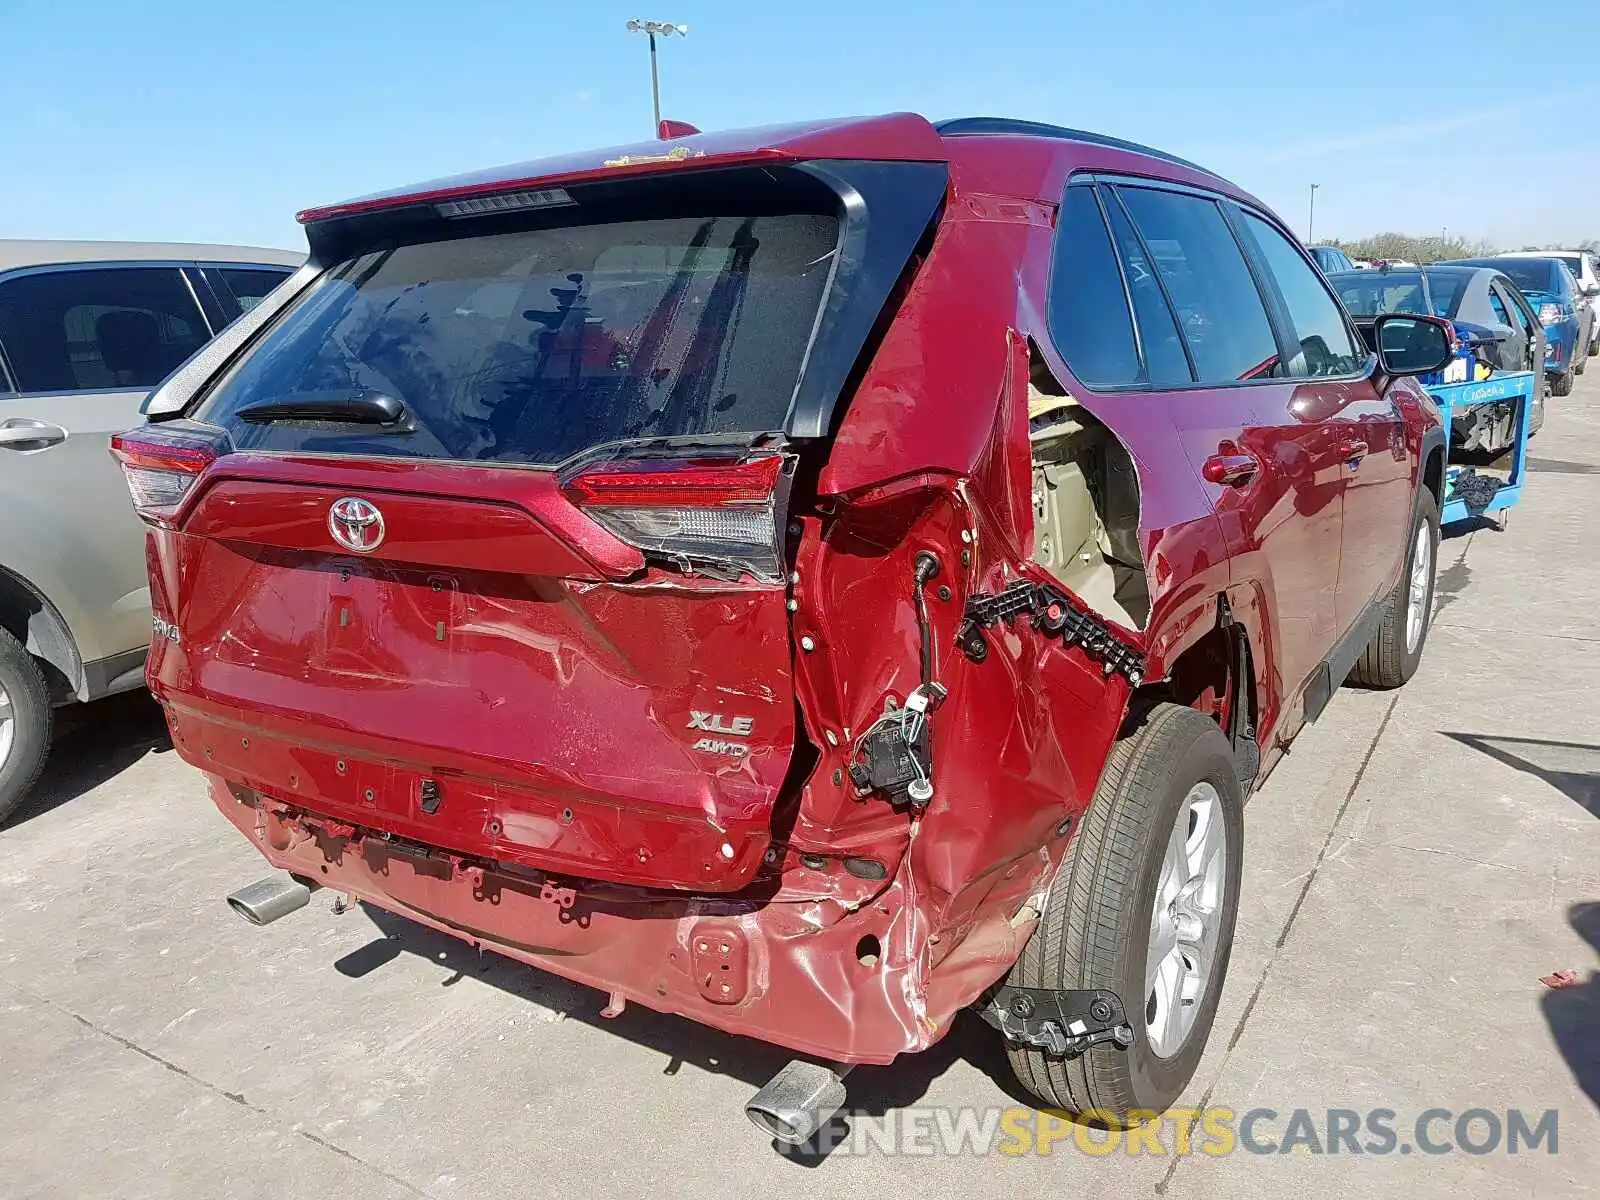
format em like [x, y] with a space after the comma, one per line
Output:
[345, 407]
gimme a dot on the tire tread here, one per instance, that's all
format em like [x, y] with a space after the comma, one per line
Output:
[1082, 931]
[33, 717]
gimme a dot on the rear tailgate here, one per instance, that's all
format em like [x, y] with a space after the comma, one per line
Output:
[481, 665]
[489, 548]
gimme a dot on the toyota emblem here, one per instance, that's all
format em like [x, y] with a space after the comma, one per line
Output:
[356, 524]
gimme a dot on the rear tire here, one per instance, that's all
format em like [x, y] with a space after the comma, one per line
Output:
[25, 719]
[1102, 913]
[1561, 385]
[1392, 657]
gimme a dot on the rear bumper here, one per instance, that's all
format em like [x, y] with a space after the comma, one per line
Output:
[849, 986]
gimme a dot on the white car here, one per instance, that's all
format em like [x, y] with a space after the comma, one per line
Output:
[1586, 270]
[86, 330]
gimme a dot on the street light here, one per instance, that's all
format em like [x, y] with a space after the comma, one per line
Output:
[1311, 218]
[652, 29]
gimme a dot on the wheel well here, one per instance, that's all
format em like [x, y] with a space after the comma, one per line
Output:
[1203, 678]
[1433, 475]
[27, 616]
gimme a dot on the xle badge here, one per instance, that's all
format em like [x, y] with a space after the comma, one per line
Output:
[717, 723]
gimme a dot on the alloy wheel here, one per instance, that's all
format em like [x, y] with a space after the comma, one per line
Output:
[8, 725]
[1418, 588]
[1186, 920]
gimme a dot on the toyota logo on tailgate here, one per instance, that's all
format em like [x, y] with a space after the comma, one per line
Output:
[356, 524]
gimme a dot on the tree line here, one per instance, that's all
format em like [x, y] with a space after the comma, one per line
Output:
[1392, 246]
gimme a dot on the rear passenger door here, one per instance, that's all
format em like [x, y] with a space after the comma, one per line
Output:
[84, 345]
[1274, 472]
[1363, 430]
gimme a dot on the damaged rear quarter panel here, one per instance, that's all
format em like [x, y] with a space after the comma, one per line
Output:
[933, 454]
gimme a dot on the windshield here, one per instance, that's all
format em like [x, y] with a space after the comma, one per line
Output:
[529, 347]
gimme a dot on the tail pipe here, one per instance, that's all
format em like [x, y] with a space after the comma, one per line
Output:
[798, 1101]
[264, 901]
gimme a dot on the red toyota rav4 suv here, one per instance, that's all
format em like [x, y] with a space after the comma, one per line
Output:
[809, 579]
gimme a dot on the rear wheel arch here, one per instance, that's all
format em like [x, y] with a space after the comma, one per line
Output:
[1204, 675]
[29, 617]
[1433, 468]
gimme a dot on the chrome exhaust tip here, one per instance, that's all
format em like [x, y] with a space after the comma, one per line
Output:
[798, 1101]
[264, 901]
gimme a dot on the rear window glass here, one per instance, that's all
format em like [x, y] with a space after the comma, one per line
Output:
[1372, 293]
[1531, 275]
[530, 347]
[1446, 291]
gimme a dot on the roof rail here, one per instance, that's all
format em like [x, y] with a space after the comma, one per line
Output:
[979, 126]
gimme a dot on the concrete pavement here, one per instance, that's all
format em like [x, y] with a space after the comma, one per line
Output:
[1412, 869]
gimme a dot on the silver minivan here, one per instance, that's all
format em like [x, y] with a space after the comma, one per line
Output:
[87, 329]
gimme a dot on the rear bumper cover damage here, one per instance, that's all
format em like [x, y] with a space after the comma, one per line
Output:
[848, 985]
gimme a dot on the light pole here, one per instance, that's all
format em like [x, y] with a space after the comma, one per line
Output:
[651, 29]
[1311, 218]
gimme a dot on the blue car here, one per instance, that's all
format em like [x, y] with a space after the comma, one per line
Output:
[1548, 286]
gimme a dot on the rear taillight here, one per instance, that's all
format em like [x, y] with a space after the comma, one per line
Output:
[1551, 314]
[698, 512]
[162, 462]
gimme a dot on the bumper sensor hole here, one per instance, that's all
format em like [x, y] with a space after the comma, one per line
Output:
[868, 951]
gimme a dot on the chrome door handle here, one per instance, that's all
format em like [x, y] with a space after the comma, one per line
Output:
[1230, 469]
[23, 433]
[1353, 453]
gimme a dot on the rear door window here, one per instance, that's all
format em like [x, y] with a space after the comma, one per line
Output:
[1165, 360]
[1326, 346]
[98, 329]
[1219, 309]
[246, 286]
[529, 347]
[1088, 309]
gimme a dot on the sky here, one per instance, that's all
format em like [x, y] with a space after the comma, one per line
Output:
[191, 120]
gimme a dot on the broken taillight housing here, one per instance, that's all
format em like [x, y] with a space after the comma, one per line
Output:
[708, 512]
[161, 463]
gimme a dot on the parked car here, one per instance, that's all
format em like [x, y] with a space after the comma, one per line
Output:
[1550, 288]
[717, 572]
[1495, 327]
[86, 330]
[1331, 258]
[1581, 263]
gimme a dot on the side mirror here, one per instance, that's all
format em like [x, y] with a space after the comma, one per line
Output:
[1412, 345]
[1591, 289]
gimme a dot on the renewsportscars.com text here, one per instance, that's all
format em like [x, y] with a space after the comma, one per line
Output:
[1214, 1131]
